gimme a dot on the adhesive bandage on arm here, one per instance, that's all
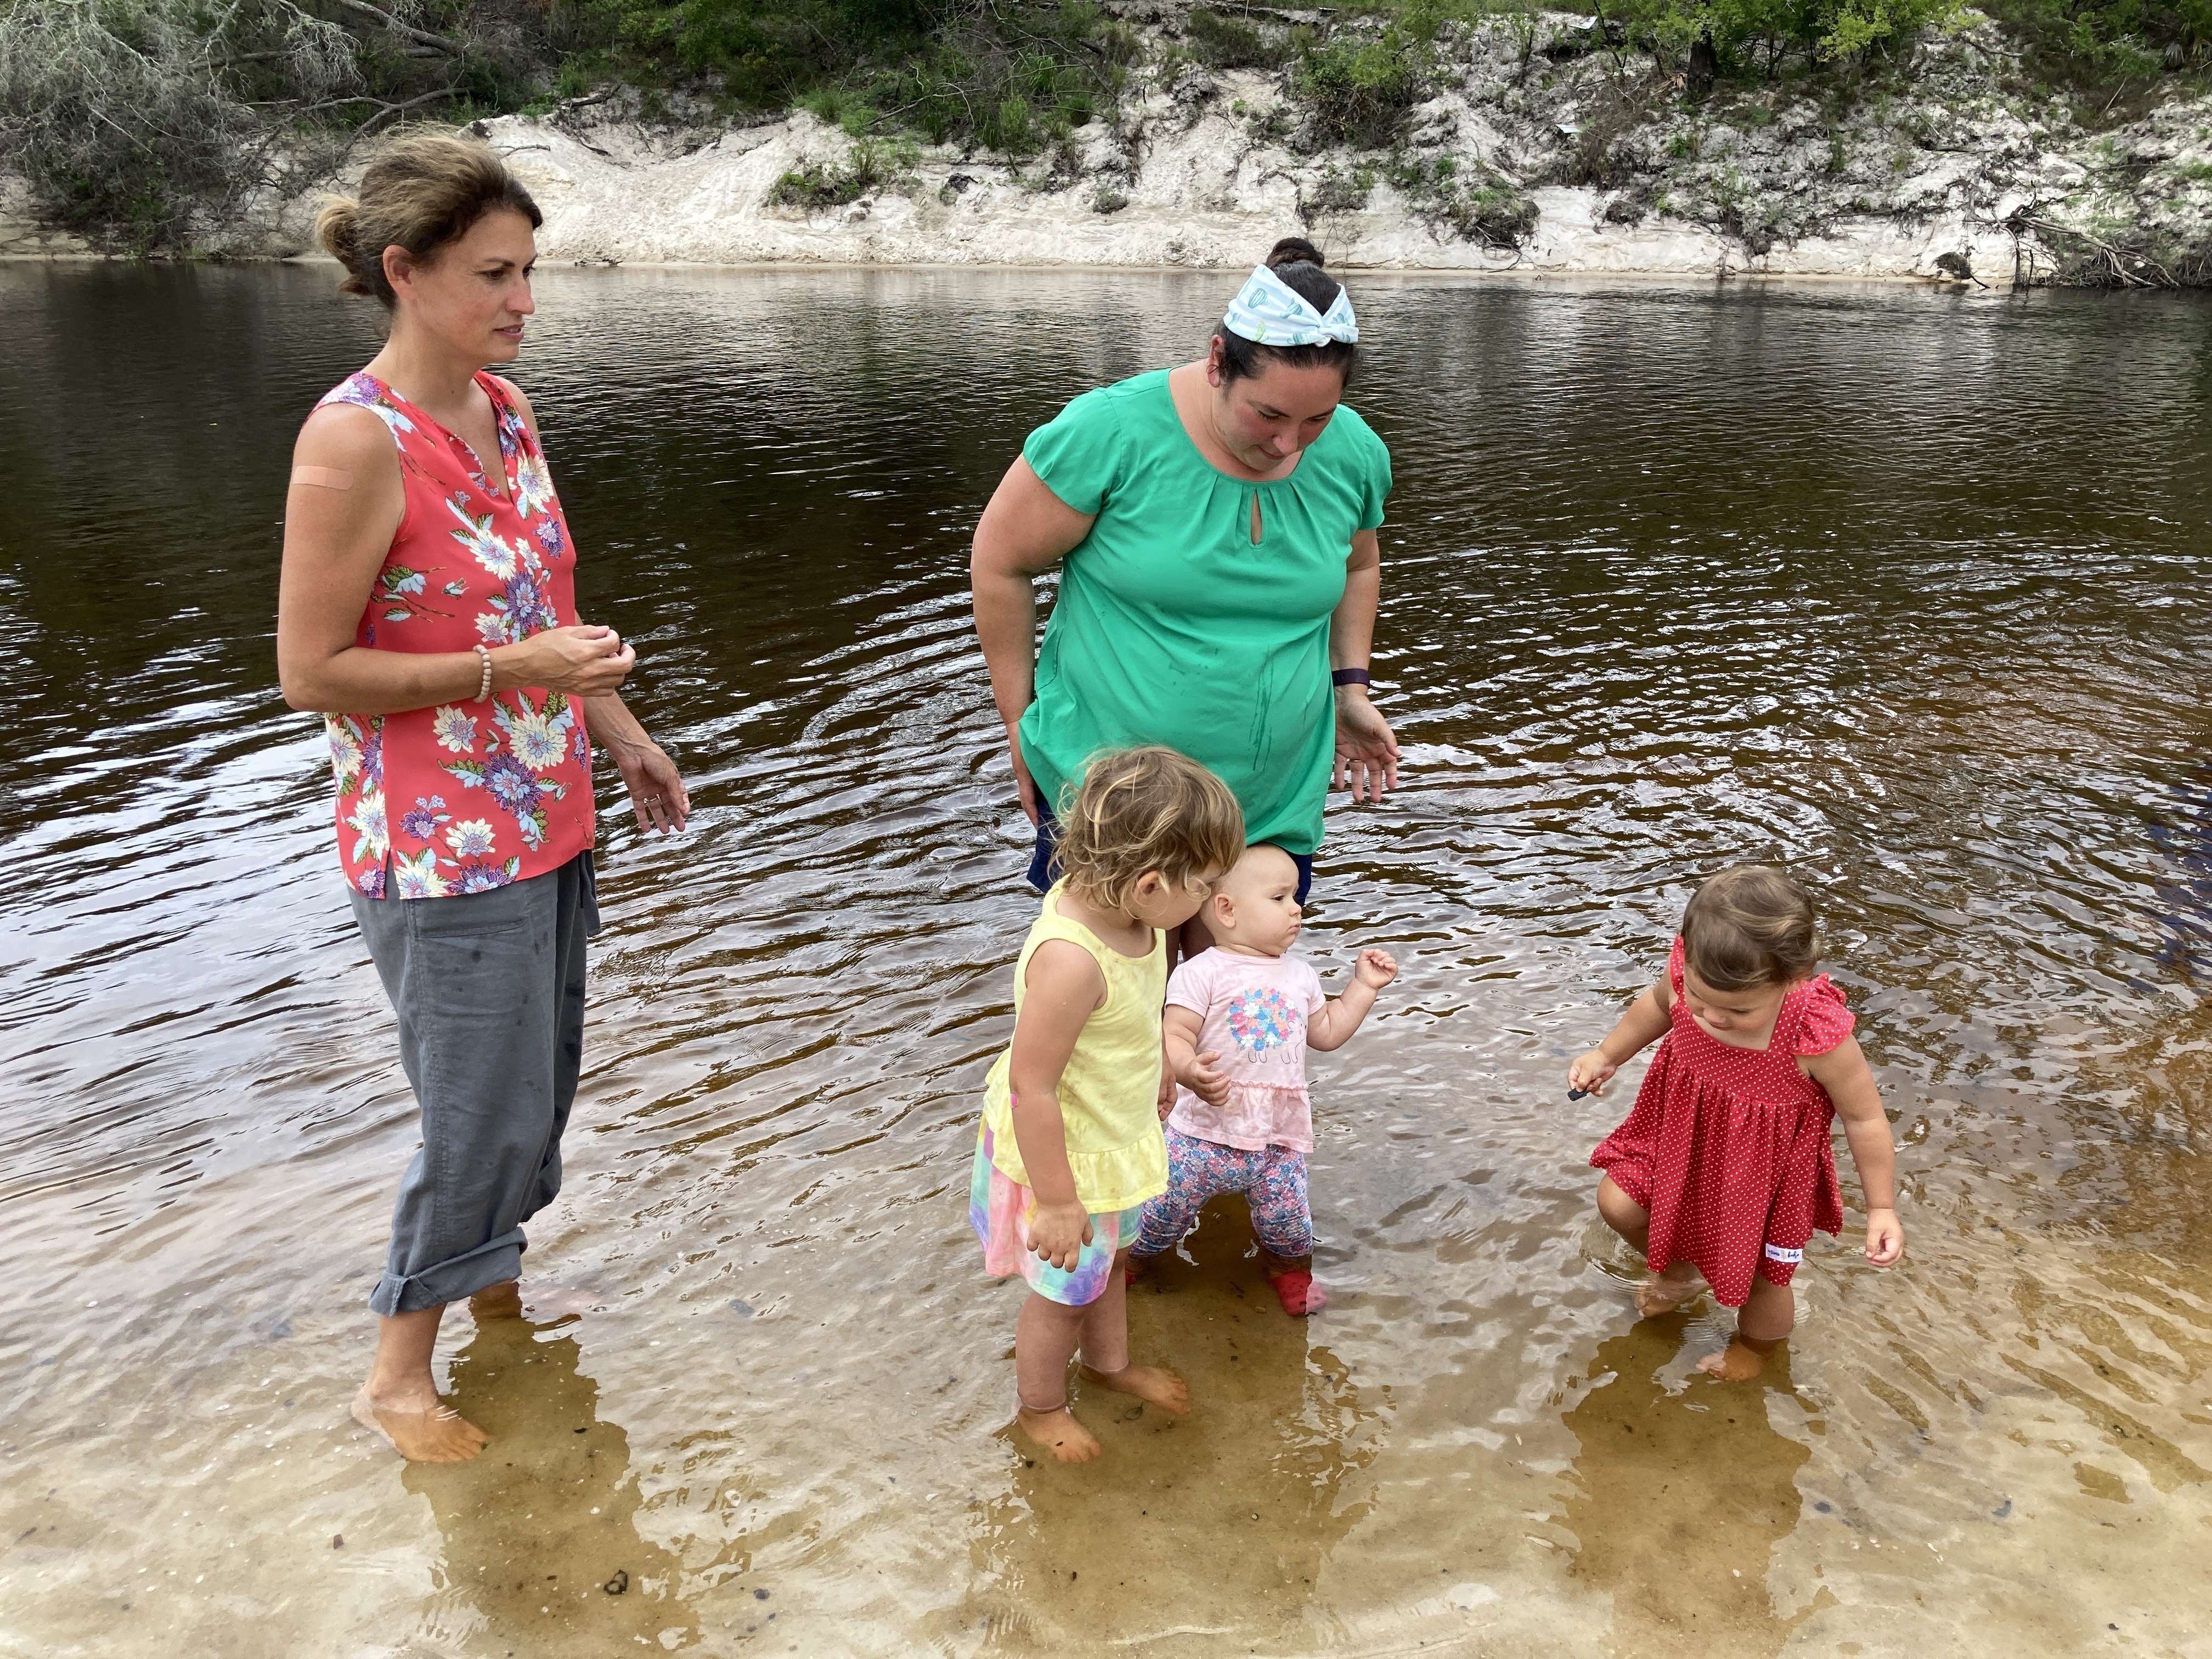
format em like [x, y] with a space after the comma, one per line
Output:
[322, 477]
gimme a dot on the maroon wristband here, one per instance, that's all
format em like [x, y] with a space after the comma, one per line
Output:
[1350, 677]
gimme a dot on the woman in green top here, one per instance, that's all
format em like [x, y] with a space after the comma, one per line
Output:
[1216, 526]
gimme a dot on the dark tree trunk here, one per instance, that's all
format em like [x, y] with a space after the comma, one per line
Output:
[1705, 64]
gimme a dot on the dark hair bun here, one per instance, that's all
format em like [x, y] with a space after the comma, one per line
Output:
[1294, 251]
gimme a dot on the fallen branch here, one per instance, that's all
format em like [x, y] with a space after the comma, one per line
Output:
[406, 31]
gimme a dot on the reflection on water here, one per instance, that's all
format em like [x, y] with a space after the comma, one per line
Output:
[1215, 1529]
[540, 1541]
[1680, 1494]
[1906, 590]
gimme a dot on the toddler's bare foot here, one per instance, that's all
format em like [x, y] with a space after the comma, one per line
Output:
[1059, 1433]
[1151, 1383]
[1663, 1295]
[1738, 1362]
[437, 1434]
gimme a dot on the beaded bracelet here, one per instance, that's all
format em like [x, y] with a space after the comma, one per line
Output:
[483, 686]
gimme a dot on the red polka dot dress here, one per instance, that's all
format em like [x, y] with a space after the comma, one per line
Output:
[1728, 1148]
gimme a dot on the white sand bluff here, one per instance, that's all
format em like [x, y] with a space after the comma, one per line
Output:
[1512, 164]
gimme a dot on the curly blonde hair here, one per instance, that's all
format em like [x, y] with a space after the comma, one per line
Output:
[1750, 926]
[1141, 810]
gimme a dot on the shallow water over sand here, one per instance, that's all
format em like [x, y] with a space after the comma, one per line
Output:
[1904, 590]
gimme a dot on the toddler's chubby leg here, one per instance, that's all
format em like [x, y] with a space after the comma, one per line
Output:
[1193, 1180]
[1672, 1288]
[1106, 1351]
[1282, 1219]
[1045, 1342]
[1769, 1312]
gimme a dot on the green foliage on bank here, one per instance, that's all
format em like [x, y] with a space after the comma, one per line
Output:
[1010, 76]
[136, 120]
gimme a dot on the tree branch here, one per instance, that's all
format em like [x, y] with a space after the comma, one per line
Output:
[406, 31]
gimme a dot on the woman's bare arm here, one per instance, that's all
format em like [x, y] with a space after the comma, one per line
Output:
[1366, 747]
[345, 506]
[1024, 531]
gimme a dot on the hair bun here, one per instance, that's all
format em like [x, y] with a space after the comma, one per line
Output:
[334, 225]
[1294, 251]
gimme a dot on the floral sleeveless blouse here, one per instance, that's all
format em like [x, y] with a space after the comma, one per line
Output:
[465, 796]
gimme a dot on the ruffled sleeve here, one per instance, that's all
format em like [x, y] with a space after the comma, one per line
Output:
[1823, 1021]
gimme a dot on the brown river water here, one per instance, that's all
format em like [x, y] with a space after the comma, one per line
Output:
[1906, 590]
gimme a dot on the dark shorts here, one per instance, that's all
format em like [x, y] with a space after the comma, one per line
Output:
[1044, 862]
[490, 992]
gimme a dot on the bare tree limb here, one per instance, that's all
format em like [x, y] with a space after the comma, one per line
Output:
[406, 31]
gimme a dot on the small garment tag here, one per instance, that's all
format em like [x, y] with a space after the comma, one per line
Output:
[322, 477]
[1776, 1253]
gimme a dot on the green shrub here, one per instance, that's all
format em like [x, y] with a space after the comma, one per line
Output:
[872, 165]
[1750, 34]
[1358, 90]
[1225, 43]
[1480, 205]
[1339, 192]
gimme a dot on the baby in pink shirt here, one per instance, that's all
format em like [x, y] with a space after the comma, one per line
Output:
[1239, 1020]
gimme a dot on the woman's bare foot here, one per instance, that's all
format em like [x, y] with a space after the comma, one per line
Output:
[1738, 1362]
[1663, 1295]
[1059, 1433]
[1151, 1383]
[437, 1434]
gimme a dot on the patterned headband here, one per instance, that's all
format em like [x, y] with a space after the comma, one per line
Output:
[1270, 311]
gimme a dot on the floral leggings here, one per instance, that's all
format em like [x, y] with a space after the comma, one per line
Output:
[1272, 1181]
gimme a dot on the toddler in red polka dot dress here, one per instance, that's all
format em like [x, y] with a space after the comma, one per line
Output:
[1724, 1167]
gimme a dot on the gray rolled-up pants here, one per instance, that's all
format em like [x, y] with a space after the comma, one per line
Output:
[490, 991]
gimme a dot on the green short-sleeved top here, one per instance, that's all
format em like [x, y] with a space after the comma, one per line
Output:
[1174, 627]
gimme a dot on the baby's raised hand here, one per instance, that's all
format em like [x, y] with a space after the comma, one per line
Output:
[1057, 1232]
[1590, 1074]
[1375, 969]
[1203, 1078]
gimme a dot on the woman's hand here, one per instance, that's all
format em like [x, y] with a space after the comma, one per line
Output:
[1590, 1072]
[1884, 1238]
[1057, 1232]
[1366, 747]
[657, 794]
[582, 661]
[1023, 783]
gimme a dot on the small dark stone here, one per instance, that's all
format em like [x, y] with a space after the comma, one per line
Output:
[742, 1309]
[760, 1596]
[1825, 1507]
[618, 1583]
[337, 1540]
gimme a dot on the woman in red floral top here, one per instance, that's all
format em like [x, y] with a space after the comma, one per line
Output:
[427, 613]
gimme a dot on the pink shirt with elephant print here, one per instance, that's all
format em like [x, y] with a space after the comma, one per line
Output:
[1253, 1011]
[462, 797]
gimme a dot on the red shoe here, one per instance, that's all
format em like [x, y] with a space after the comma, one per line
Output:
[1298, 1293]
